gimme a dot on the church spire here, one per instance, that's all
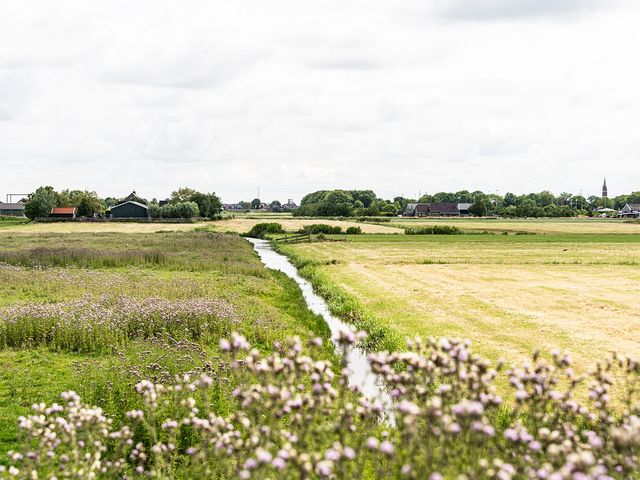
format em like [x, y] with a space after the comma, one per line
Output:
[604, 189]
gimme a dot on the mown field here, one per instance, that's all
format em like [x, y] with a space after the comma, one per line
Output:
[98, 312]
[292, 224]
[509, 294]
[557, 226]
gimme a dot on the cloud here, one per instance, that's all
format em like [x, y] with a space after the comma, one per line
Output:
[14, 90]
[295, 96]
[486, 10]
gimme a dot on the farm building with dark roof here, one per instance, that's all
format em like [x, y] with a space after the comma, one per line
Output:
[130, 209]
[12, 209]
[442, 209]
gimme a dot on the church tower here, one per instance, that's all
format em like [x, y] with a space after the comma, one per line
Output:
[604, 189]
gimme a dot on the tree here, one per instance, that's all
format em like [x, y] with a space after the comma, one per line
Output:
[510, 199]
[41, 202]
[255, 203]
[110, 202]
[183, 194]
[275, 206]
[480, 207]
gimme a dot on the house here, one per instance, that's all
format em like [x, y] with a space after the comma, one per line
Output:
[64, 212]
[133, 197]
[130, 209]
[630, 210]
[12, 209]
[290, 205]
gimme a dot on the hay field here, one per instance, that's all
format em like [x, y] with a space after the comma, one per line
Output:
[241, 225]
[509, 294]
[101, 227]
[534, 225]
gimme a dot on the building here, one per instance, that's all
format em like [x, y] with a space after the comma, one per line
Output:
[233, 206]
[605, 192]
[630, 210]
[64, 212]
[133, 197]
[437, 209]
[130, 209]
[12, 209]
[463, 209]
[290, 205]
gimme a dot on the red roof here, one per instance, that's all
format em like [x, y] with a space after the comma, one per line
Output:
[64, 210]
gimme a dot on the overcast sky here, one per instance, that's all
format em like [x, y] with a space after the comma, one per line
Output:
[295, 96]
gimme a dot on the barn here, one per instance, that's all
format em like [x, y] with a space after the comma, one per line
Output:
[12, 209]
[130, 209]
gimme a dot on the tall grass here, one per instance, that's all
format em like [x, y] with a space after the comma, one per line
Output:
[186, 251]
[102, 325]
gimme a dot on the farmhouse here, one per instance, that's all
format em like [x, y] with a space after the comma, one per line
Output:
[130, 209]
[631, 210]
[133, 197]
[437, 209]
[63, 212]
[12, 209]
[290, 205]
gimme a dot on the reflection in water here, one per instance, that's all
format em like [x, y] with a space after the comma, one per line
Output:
[361, 374]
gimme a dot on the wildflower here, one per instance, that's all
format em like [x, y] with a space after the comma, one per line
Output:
[386, 447]
[372, 443]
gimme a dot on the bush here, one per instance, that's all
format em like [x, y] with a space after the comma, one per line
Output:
[353, 231]
[174, 210]
[321, 228]
[259, 230]
[434, 230]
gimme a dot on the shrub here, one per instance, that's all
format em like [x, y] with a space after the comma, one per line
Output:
[433, 230]
[259, 230]
[321, 228]
[353, 231]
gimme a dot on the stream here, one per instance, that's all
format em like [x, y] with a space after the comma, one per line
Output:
[360, 371]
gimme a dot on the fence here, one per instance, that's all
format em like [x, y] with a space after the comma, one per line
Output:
[298, 238]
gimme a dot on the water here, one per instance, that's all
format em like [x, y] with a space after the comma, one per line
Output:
[360, 371]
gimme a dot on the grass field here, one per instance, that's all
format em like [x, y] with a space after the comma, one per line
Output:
[242, 225]
[98, 312]
[534, 225]
[509, 294]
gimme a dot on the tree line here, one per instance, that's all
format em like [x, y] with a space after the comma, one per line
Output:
[350, 203]
[183, 203]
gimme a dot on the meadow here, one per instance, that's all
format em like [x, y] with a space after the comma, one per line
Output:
[510, 294]
[176, 354]
[98, 312]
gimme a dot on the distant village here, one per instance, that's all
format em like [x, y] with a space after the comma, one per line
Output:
[186, 203]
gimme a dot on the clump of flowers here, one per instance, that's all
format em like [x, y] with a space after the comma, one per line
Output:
[102, 324]
[298, 417]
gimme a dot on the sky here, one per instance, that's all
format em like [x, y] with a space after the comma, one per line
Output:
[287, 96]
